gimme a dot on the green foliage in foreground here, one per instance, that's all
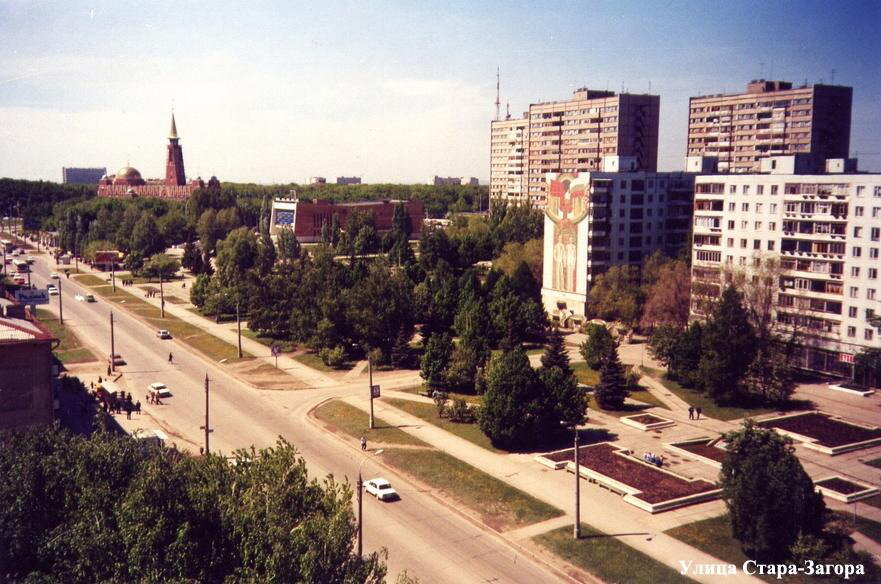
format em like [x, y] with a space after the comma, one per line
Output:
[113, 509]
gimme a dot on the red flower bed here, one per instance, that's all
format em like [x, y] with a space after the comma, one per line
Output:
[823, 429]
[655, 485]
[703, 449]
[840, 486]
[647, 419]
[561, 455]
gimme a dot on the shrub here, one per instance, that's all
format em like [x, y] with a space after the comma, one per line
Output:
[333, 357]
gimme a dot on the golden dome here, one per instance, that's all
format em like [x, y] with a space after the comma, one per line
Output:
[127, 172]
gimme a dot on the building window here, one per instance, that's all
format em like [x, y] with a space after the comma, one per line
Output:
[770, 245]
[861, 191]
[758, 225]
[731, 207]
[870, 294]
[745, 189]
[757, 244]
[876, 212]
[743, 243]
[851, 331]
[856, 251]
[732, 189]
[741, 261]
[772, 226]
[773, 208]
[873, 273]
[852, 311]
[854, 272]
[760, 189]
[858, 211]
[857, 231]
[758, 207]
[744, 207]
[731, 225]
[854, 292]
[873, 253]
[773, 189]
[875, 233]
[743, 224]
[730, 242]
[869, 334]
[877, 192]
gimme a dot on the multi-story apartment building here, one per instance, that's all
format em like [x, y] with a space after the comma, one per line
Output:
[596, 220]
[82, 176]
[823, 231]
[575, 135]
[508, 158]
[771, 119]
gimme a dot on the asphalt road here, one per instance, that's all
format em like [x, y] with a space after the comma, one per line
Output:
[421, 535]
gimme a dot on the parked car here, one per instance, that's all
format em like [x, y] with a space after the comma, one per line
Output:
[55, 276]
[159, 388]
[117, 359]
[381, 489]
[90, 298]
[80, 298]
[53, 291]
[163, 334]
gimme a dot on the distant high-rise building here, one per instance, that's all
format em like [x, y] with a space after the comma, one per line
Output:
[573, 136]
[770, 119]
[348, 180]
[444, 181]
[317, 180]
[82, 176]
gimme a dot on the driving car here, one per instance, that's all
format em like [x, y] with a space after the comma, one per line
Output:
[159, 388]
[163, 334]
[90, 298]
[53, 291]
[381, 489]
[117, 359]
[80, 298]
[55, 276]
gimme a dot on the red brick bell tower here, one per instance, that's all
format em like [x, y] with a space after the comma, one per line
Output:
[174, 165]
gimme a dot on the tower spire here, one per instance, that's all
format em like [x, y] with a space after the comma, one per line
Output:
[498, 103]
[172, 135]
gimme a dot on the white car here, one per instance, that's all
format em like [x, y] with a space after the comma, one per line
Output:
[381, 489]
[53, 291]
[163, 334]
[80, 298]
[159, 388]
[55, 276]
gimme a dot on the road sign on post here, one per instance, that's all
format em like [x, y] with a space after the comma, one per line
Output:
[374, 391]
[276, 351]
[32, 297]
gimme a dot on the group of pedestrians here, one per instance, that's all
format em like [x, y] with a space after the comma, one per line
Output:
[128, 282]
[694, 413]
[153, 398]
[150, 293]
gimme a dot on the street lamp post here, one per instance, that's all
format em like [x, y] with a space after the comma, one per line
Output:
[360, 502]
[60, 304]
[576, 530]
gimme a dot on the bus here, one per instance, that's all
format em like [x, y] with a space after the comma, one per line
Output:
[6, 245]
[21, 266]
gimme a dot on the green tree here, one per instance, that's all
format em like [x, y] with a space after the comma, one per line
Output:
[288, 246]
[378, 305]
[525, 284]
[512, 404]
[770, 498]
[531, 253]
[401, 354]
[565, 405]
[555, 354]
[596, 346]
[611, 391]
[435, 359]
[668, 297]
[146, 238]
[160, 264]
[680, 351]
[617, 295]
[729, 345]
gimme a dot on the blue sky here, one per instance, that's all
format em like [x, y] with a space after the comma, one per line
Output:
[391, 91]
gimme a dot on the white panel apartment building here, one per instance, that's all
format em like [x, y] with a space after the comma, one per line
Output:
[595, 220]
[826, 231]
[508, 159]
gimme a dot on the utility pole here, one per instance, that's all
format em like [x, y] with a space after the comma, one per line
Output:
[113, 275]
[576, 532]
[161, 296]
[112, 345]
[370, 382]
[60, 304]
[206, 427]
[239, 329]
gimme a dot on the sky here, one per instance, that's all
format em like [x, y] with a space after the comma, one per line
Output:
[277, 92]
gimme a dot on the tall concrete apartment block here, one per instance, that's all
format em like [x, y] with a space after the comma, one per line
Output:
[508, 158]
[771, 119]
[574, 136]
[825, 231]
[596, 220]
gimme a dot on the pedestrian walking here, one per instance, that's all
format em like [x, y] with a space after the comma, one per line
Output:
[363, 443]
[690, 413]
[698, 412]
[128, 411]
[138, 408]
[108, 368]
[170, 358]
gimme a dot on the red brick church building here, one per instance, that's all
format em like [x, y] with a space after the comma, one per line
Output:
[128, 182]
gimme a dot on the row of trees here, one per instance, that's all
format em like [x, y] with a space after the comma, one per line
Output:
[111, 509]
[735, 356]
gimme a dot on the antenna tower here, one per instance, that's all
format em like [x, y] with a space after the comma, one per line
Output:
[498, 103]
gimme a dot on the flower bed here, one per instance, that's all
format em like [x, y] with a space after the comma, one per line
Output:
[556, 460]
[646, 422]
[643, 485]
[846, 490]
[706, 450]
[824, 433]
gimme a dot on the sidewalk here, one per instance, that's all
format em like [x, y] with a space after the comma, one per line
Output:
[600, 508]
[312, 377]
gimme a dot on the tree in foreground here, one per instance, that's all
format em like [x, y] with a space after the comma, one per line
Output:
[438, 351]
[729, 345]
[555, 355]
[597, 345]
[511, 404]
[770, 498]
[611, 391]
[112, 509]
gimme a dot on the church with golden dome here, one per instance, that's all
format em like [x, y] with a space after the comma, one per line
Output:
[128, 182]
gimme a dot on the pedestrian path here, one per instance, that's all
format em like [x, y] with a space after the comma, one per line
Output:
[601, 509]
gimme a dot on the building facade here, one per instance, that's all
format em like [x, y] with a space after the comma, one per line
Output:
[597, 220]
[454, 181]
[771, 119]
[348, 180]
[509, 140]
[824, 233]
[128, 182]
[82, 176]
[307, 218]
[26, 393]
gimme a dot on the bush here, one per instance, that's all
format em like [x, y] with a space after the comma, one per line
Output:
[598, 344]
[440, 401]
[461, 413]
[333, 357]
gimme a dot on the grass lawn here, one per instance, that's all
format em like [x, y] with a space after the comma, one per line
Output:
[70, 350]
[708, 407]
[584, 374]
[875, 462]
[428, 412]
[175, 300]
[354, 422]
[286, 346]
[607, 557]
[500, 505]
[213, 347]
[314, 361]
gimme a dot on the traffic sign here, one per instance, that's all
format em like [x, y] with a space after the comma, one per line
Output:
[374, 391]
[276, 350]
